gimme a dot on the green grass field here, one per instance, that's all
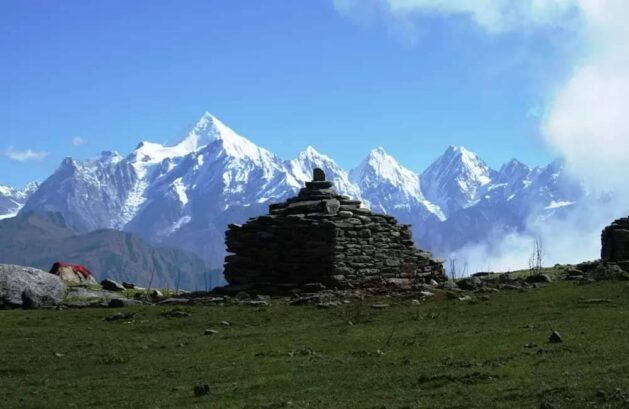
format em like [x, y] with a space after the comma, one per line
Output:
[492, 352]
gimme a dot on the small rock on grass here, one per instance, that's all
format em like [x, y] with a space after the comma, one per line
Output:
[123, 302]
[176, 313]
[596, 301]
[328, 305]
[210, 332]
[111, 285]
[120, 316]
[201, 389]
[555, 338]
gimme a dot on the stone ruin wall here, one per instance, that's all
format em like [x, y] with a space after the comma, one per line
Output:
[615, 242]
[322, 237]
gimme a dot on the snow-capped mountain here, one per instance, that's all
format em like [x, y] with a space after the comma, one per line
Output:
[517, 196]
[89, 194]
[223, 178]
[12, 200]
[185, 195]
[456, 180]
[391, 188]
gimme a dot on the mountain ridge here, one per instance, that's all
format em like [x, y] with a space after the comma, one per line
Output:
[186, 194]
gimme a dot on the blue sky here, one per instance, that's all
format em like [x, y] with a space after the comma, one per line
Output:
[79, 77]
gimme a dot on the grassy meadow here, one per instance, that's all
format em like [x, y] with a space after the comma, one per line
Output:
[490, 352]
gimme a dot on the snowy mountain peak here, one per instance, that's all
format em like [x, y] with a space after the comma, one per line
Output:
[379, 165]
[12, 200]
[513, 168]
[456, 179]
[310, 153]
[392, 188]
[210, 130]
[111, 157]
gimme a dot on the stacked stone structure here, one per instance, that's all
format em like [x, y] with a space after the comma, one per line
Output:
[321, 239]
[615, 243]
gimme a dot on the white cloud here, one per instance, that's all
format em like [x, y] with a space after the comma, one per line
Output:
[78, 141]
[24, 155]
[492, 15]
[587, 121]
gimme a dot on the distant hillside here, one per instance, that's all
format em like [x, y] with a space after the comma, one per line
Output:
[38, 240]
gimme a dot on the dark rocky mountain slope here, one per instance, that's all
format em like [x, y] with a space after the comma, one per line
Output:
[38, 240]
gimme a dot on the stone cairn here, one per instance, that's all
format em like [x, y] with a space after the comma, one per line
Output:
[615, 243]
[321, 239]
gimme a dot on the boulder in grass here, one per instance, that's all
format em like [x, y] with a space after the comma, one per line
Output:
[36, 287]
[111, 285]
[538, 278]
[75, 273]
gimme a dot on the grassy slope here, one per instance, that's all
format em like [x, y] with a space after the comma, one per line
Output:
[441, 353]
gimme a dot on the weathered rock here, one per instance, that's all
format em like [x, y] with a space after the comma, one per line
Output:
[201, 389]
[606, 271]
[470, 283]
[42, 289]
[75, 273]
[538, 278]
[156, 294]
[174, 301]
[81, 297]
[176, 313]
[32, 300]
[555, 337]
[318, 175]
[322, 237]
[615, 241]
[111, 285]
[119, 316]
[574, 274]
[123, 302]
[449, 285]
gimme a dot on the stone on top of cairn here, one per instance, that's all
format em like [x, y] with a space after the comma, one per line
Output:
[318, 175]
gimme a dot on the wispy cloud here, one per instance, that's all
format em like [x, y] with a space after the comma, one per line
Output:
[494, 16]
[587, 121]
[78, 141]
[24, 155]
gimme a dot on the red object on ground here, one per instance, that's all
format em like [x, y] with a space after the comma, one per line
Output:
[76, 267]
